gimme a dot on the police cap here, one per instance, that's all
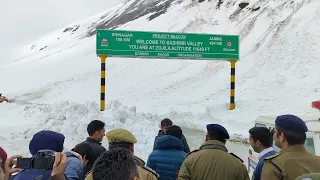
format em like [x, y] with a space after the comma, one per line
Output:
[219, 130]
[291, 123]
[121, 135]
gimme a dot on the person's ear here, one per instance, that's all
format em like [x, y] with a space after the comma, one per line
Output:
[132, 148]
[135, 178]
[207, 138]
[258, 143]
[281, 137]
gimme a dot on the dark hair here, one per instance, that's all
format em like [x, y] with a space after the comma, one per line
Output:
[166, 122]
[212, 135]
[114, 164]
[94, 126]
[293, 138]
[85, 149]
[124, 145]
[261, 134]
[174, 131]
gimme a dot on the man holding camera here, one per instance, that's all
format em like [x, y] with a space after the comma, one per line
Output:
[43, 146]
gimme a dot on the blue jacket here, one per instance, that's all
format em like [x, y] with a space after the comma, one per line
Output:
[183, 140]
[73, 171]
[167, 159]
[257, 172]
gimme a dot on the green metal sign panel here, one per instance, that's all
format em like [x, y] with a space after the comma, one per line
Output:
[119, 43]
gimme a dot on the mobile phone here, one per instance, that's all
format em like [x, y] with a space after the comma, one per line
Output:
[24, 163]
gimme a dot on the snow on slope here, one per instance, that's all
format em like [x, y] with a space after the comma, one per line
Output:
[59, 73]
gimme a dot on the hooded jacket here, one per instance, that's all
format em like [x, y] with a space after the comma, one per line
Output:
[167, 159]
[183, 139]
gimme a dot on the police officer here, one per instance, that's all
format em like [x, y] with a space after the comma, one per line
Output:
[121, 138]
[293, 160]
[212, 160]
[125, 139]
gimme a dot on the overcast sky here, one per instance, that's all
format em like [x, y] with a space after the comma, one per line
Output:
[24, 20]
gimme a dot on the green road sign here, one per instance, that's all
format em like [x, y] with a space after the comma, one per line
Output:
[119, 43]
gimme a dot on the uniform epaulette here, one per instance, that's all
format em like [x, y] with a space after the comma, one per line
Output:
[271, 157]
[192, 152]
[236, 157]
[151, 170]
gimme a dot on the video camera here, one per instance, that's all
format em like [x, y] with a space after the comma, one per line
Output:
[44, 159]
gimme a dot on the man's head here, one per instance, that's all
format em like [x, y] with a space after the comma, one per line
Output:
[260, 138]
[85, 151]
[165, 123]
[289, 130]
[121, 138]
[116, 164]
[96, 130]
[46, 140]
[217, 132]
[174, 131]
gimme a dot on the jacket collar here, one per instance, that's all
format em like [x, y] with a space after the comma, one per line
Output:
[139, 161]
[213, 142]
[293, 148]
[161, 133]
[89, 139]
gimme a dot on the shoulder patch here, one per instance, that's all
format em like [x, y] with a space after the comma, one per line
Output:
[192, 152]
[236, 157]
[271, 157]
[151, 170]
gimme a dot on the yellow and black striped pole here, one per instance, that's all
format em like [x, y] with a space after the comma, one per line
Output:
[103, 82]
[232, 85]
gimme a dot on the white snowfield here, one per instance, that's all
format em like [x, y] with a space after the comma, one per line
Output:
[55, 79]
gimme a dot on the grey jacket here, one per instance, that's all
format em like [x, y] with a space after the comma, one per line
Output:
[183, 140]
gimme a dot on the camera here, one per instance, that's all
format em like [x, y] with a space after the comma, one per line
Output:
[44, 159]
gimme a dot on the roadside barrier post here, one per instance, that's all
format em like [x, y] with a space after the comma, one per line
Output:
[103, 82]
[232, 84]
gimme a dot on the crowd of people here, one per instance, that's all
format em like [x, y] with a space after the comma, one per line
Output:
[170, 159]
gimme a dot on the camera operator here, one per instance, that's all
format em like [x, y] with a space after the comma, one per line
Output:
[56, 174]
[42, 147]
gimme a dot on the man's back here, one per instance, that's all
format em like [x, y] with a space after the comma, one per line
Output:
[257, 172]
[96, 146]
[208, 164]
[293, 162]
[97, 149]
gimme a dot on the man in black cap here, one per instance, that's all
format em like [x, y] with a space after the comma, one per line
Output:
[165, 124]
[293, 160]
[212, 160]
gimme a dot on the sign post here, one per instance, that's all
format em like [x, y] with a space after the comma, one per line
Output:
[165, 45]
[103, 82]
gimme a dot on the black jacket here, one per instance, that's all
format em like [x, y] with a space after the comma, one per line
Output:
[183, 140]
[97, 149]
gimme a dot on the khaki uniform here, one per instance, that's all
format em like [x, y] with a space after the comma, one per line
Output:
[212, 164]
[122, 135]
[145, 172]
[290, 163]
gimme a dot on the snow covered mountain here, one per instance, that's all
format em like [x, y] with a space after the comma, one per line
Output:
[55, 79]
